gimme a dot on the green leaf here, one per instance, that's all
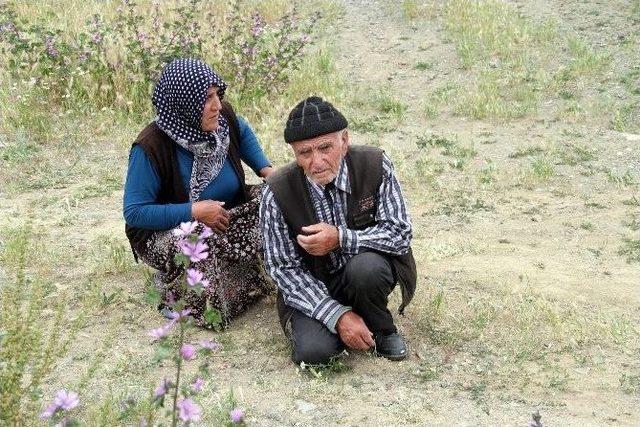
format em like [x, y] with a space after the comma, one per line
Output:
[163, 351]
[152, 296]
[212, 316]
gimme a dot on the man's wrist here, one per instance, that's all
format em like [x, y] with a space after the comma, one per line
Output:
[332, 322]
[348, 240]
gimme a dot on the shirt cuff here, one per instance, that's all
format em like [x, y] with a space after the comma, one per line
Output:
[348, 240]
[185, 212]
[333, 320]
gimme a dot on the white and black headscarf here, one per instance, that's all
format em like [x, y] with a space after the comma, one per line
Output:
[179, 98]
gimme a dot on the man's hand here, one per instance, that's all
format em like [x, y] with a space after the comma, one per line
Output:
[212, 214]
[353, 331]
[319, 239]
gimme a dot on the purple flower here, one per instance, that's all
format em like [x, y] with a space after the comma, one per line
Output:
[179, 315]
[96, 38]
[189, 410]
[49, 411]
[50, 47]
[236, 415]
[66, 400]
[195, 277]
[187, 351]
[185, 229]
[197, 385]
[161, 332]
[195, 251]
[258, 25]
[206, 232]
[163, 388]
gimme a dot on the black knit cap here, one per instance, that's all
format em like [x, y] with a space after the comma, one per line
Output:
[313, 117]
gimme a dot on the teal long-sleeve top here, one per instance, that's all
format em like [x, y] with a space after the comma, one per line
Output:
[142, 185]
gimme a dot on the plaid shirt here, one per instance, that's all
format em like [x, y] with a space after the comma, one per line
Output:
[392, 234]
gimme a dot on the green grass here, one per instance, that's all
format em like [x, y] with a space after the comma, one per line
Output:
[423, 66]
[502, 329]
[514, 63]
[630, 249]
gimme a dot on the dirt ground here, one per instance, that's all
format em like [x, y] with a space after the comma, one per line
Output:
[554, 241]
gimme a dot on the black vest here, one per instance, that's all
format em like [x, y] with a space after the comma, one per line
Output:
[161, 151]
[291, 192]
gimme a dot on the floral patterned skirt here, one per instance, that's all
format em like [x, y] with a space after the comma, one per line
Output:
[233, 268]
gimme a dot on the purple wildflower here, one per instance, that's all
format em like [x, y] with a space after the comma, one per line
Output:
[179, 315]
[187, 351]
[163, 388]
[210, 345]
[195, 251]
[185, 229]
[197, 385]
[258, 25]
[206, 232]
[49, 411]
[50, 47]
[195, 277]
[161, 332]
[96, 38]
[66, 400]
[236, 415]
[189, 410]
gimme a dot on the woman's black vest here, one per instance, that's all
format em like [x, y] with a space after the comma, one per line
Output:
[291, 192]
[161, 151]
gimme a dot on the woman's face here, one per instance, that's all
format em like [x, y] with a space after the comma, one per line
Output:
[211, 112]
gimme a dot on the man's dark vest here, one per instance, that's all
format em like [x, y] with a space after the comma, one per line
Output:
[161, 151]
[291, 192]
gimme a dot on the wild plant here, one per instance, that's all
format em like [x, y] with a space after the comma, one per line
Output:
[114, 61]
[172, 395]
[35, 332]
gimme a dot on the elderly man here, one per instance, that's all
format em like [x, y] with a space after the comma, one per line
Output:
[337, 239]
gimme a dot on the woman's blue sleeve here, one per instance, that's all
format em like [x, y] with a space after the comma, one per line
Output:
[141, 189]
[250, 150]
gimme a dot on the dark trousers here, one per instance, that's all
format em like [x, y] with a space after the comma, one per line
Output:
[364, 284]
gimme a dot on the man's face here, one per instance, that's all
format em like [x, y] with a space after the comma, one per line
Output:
[320, 157]
[211, 112]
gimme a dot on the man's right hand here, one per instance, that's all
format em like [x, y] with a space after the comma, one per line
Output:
[212, 214]
[354, 332]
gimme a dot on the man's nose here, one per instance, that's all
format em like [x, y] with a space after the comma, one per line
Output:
[316, 159]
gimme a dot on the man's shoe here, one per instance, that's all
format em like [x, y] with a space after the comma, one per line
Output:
[391, 346]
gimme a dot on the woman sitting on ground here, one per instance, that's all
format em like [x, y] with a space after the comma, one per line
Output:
[185, 166]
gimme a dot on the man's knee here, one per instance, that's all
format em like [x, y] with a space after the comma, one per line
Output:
[368, 270]
[316, 351]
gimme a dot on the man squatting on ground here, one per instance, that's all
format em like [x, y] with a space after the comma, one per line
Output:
[336, 238]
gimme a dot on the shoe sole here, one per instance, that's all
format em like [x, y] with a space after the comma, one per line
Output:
[393, 357]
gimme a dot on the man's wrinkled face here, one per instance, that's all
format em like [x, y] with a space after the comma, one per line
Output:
[320, 157]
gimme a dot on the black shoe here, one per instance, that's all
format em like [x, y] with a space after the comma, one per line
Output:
[391, 346]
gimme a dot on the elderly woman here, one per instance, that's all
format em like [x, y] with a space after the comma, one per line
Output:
[185, 166]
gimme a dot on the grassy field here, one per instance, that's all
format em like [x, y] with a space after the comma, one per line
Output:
[514, 128]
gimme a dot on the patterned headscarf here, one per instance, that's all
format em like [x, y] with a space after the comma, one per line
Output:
[179, 98]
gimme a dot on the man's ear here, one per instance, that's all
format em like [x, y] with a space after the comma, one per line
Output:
[345, 140]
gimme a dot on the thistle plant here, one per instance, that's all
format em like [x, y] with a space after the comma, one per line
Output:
[176, 398]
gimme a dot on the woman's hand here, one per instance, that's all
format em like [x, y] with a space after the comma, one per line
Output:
[212, 214]
[266, 171]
